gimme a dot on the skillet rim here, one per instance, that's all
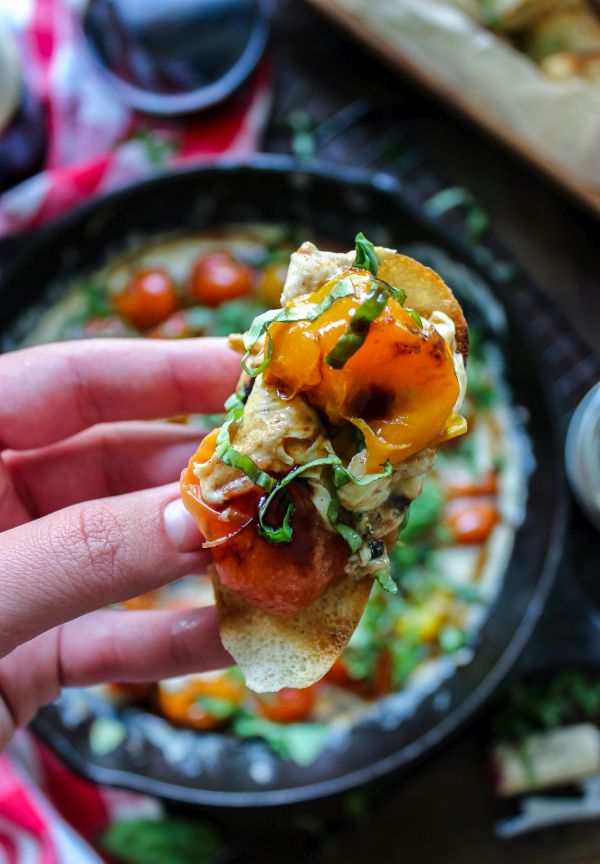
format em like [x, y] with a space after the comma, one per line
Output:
[474, 703]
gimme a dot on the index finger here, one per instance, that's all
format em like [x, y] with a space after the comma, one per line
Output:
[53, 391]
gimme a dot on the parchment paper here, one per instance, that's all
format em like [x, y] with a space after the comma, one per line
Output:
[559, 119]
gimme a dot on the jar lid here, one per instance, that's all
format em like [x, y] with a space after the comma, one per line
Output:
[10, 75]
[582, 454]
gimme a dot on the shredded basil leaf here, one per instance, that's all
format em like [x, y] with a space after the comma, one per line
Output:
[301, 743]
[230, 456]
[385, 579]
[398, 294]
[358, 328]
[352, 537]
[415, 316]
[341, 476]
[366, 256]
[288, 315]
[283, 534]
[234, 403]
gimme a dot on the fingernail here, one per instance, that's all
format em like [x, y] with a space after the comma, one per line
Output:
[181, 528]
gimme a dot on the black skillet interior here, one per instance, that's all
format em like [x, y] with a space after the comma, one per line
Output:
[217, 769]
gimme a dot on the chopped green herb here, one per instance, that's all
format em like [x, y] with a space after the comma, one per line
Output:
[283, 534]
[451, 639]
[386, 580]
[234, 402]
[221, 708]
[341, 476]
[299, 742]
[234, 316]
[230, 456]
[546, 703]
[288, 315]
[366, 256]
[352, 537]
[95, 297]
[155, 841]
[406, 653]
[415, 316]
[481, 387]
[424, 512]
[398, 294]
[358, 328]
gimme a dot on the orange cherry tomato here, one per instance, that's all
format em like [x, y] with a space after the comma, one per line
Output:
[183, 704]
[148, 299]
[460, 485]
[271, 283]
[288, 705]
[217, 277]
[282, 578]
[398, 388]
[471, 520]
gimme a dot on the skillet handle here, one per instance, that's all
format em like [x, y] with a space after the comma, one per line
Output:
[569, 632]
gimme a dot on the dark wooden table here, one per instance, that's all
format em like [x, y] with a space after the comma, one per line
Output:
[446, 810]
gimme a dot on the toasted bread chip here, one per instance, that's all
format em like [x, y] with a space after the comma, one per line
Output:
[426, 292]
[275, 652]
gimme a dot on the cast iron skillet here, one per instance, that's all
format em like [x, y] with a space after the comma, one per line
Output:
[215, 769]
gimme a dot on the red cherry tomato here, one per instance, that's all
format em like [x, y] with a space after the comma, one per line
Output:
[217, 277]
[288, 705]
[148, 299]
[339, 675]
[471, 520]
[382, 679]
[460, 486]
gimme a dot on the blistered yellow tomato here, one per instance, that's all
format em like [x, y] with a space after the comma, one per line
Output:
[399, 388]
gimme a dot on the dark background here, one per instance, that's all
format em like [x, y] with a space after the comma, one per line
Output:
[446, 810]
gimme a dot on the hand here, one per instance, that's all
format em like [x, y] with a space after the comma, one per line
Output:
[77, 534]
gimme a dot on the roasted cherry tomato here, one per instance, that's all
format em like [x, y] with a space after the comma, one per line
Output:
[382, 679]
[217, 277]
[201, 701]
[471, 520]
[280, 578]
[288, 705]
[398, 388]
[148, 299]
[271, 283]
[339, 675]
[461, 485]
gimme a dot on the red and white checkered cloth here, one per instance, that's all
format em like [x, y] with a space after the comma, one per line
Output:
[50, 816]
[95, 143]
